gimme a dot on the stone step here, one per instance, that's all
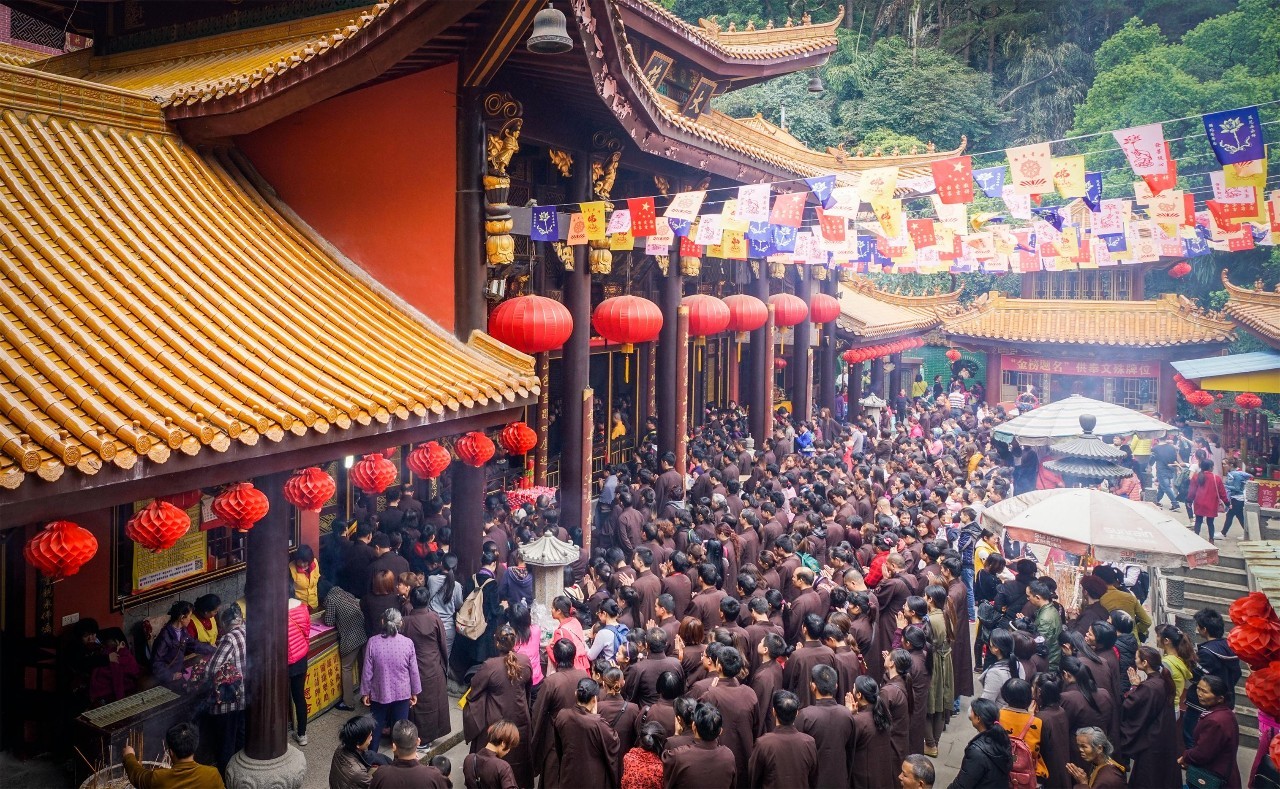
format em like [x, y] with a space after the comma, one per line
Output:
[1225, 593]
[1230, 576]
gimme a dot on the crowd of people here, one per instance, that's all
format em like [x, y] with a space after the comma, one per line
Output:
[811, 613]
[808, 614]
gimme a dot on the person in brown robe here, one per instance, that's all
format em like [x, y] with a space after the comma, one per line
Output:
[1148, 731]
[810, 653]
[806, 602]
[676, 583]
[891, 593]
[557, 692]
[704, 764]
[705, 604]
[895, 695]
[1105, 664]
[642, 676]
[918, 681]
[620, 714]
[848, 662]
[500, 691]
[1096, 770]
[961, 649]
[786, 758]
[488, 768]
[739, 707]
[830, 724]
[1086, 704]
[586, 745]
[424, 628]
[1056, 740]
[663, 711]
[862, 629]
[406, 772]
[767, 678]
[1216, 738]
[871, 762]
[759, 627]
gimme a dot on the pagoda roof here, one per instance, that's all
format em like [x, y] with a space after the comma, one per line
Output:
[154, 304]
[748, 55]
[1167, 321]
[868, 314]
[1256, 310]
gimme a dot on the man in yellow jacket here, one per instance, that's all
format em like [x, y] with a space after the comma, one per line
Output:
[181, 741]
[1115, 597]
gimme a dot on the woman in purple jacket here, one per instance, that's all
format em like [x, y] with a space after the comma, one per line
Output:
[390, 680]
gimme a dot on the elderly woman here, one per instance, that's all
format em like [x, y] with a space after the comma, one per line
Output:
[1103, 772]
[390, 680]
[227, 694]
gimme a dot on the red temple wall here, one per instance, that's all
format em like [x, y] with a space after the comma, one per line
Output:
[374, 172]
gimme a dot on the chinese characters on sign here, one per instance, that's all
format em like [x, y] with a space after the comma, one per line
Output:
[1030, 364]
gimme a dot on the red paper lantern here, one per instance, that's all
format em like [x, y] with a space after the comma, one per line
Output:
[1180, 270]
[627, 320]
[953, 355]
[242, 505]
[309, 488]
[1178, 378]
[707, 314]
[850, 356]
[531, 324]
[474, 448]
[157, 526]
[374, 473]
[780, 363]
[518, 438]
[746, 313]
[788, 309]
[1257, 645]
[823, 308]
[1263, 689]
[1275, 749]
[1200, 398]
[1248, 401]
[429, 460]
[183, 501]
[1252, 610]
[60, 549]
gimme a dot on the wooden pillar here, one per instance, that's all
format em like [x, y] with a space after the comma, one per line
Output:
[670, 349]
[1166, 394]
[681, 411]
[827, 352]
[577, 371]
[467, 516]
[761, 366]
[895, 376]
[766, 380]
[266, 593]
[801, 353]
[586, 415]
[733, 360]
[468, 250]
[855, 390]
[542, 422]
[995, 379]
[877, 377]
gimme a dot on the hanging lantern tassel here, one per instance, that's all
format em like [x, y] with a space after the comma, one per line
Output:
[626, 367]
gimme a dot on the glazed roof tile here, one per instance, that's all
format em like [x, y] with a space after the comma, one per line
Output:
[221, 65]
[868, 313]
[1155, 323]
[1257, 310]
[14, 55]
[778, 42]
[153, 301]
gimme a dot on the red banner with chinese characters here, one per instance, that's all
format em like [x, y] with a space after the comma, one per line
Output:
[1032, 364]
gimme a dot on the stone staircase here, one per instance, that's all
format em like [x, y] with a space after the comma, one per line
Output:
[1214, 587]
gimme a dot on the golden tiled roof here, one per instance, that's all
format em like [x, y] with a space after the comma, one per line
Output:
[755, 44]
[1256, 309]
[188, 72]
[152, 302]
[868, 313]
[1155, 323]
[14, 55]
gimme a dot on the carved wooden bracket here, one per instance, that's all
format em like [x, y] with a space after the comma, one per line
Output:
[503, 122]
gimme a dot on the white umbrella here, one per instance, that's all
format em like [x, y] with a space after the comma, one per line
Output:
[1051, 423]
[1113, 528]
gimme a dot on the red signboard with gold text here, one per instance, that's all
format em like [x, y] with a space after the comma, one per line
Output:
[1032, 364]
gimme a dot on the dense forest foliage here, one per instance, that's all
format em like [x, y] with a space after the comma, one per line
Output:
[1011, 72]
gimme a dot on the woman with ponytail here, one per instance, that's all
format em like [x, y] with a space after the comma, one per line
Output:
[988, 756]
[1148, 731]
[500, 691]
[874, 763]
[1004, 668]
[1085, 703]
[1180, 659]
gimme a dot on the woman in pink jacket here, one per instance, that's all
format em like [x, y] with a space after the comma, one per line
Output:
[1207, 495]
[299, 624]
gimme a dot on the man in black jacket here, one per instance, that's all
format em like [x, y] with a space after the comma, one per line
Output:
[1213, 656]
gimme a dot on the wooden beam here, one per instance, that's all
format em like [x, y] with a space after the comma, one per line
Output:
[76, 493]
[502, 34]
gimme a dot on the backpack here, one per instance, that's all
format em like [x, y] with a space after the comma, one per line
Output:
[620, 632]
[809, 561]
[470, 620]
[1022, 771]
